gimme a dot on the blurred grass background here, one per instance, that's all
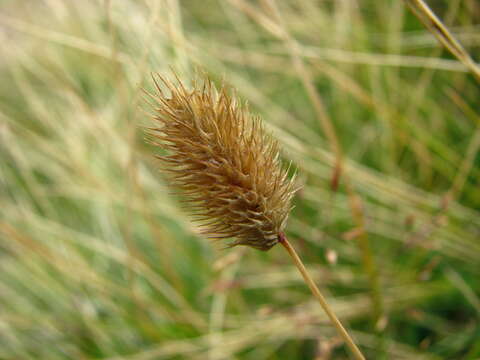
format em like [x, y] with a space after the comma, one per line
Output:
[98, 261]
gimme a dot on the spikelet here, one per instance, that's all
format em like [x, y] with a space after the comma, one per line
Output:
[223, 162]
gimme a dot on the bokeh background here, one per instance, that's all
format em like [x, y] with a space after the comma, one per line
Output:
[99, 261]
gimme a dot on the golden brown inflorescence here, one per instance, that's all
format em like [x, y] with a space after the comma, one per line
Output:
[225, 164]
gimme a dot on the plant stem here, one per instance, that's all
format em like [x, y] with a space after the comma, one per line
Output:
[321, 299]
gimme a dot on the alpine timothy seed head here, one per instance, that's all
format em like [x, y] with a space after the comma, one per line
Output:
[221, 159]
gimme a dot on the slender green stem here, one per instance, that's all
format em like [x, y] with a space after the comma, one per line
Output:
[321, 299]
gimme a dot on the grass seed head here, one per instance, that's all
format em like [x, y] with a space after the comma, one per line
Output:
[221, 159]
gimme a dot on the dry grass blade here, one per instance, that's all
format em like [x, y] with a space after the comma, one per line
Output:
[441, 32]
